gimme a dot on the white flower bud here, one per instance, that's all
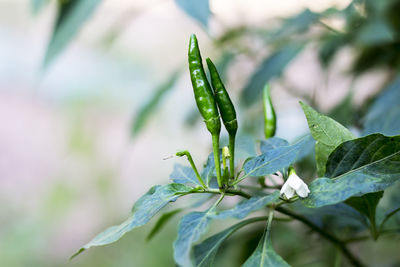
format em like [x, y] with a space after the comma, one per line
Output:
[293, 185]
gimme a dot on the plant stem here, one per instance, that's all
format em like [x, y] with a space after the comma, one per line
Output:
[232, 152]
[215, 143]
[340, 244]
[190, 159]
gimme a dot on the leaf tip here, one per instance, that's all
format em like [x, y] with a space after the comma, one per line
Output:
[77, 253]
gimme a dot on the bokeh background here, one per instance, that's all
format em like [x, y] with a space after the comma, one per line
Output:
[92, 105]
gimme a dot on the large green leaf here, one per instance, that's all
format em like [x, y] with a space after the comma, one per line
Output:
[71, 16]
[183, 175]
[150, 107]
[252, 204]
[197, 9]
[328, 135]
[383, 116]
[278, 158]
[357, 167]
[143, 210]
[297, 24]
[191, 227]
[272, 66]
[265, 255]
[272, 143]
[204, 253]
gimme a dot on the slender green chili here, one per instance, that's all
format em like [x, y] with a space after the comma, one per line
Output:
[269, 114]
[204, 97]
[227, 111]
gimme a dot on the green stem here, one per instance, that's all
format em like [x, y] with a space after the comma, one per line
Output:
[340, 244]
[232, 152]
[215, 143]
[190, 159]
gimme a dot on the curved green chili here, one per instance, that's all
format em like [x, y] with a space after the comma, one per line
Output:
[205, 102]
[226, 109]
[269, 114]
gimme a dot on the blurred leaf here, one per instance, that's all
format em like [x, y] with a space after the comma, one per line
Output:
[355, 168]
[209, 169]
[342, 112]
[197, 9]
[272, 143]
[297, 24]
[383, 55]
[38, 5]
[183, 175]
[329, 45]
[244, 208]
[150, 107]
[204, 253]
[383, 116]
[276, 159]
[71, 16]
[244, 147]
[271, 66]
[265, 255]
[328, 135]
[143, 210]
[190, 229]
[162, 221]
[375, 32]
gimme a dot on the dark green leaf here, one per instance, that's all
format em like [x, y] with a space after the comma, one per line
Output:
[150, 107]
[342, 113]
[271, 66]
[143, 210]
[265, 255]
[383, 116]
[183, 175]
[190, 229]
[70, 18]
[162, 221]
[277, 159]
[272, 143]
[328, 134]
[296, 24]
[355, 168]
[197, 9]
[204, 253]
[245, 207]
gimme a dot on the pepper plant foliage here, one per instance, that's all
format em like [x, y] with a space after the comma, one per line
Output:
[353, 173]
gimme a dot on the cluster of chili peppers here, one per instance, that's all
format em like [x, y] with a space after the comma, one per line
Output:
[213, 101]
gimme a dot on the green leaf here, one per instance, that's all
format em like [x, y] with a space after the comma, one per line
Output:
[265, 255]
[143, 210]
[357, 167]
[153, 103]
[328, 134]
[375, 32]
[197, 9]
[366, 205]
[271, 66]
[297, 24]
[183, 175]
[71, 16]
[272, 143]
[190, 229]
[277, 159]
[383, 116]
[209, 170]
[342, 113]
[244, 208]
[204, 253]
[162, 221]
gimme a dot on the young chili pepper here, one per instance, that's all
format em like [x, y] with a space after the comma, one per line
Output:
[226, 109]
[269, 114]
[204, 97]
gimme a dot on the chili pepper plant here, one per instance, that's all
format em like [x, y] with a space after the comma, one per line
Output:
[353, 174]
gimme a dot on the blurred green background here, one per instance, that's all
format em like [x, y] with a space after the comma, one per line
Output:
[94, 95]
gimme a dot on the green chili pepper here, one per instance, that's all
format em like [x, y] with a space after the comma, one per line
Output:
[269, 114]
[226, 109]
[204, 97]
